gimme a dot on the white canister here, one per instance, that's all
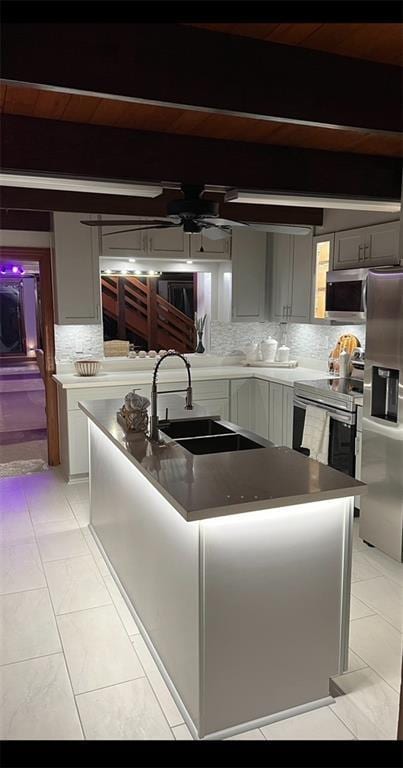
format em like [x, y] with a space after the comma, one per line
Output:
[283, 354]
[269, 349]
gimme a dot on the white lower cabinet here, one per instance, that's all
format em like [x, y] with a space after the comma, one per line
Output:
[276, 413]
[241, 402]
[260, 408]
[288, 415]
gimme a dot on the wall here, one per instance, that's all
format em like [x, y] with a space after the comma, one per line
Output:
[23, 238]
[72, 341]
[30, 309]
[304, 340]
[335, 220]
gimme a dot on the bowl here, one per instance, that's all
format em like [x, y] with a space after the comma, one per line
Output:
[87, 367]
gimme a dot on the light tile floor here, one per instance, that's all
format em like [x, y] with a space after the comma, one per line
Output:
[73, 664]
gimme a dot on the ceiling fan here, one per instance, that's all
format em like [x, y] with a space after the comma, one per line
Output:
[195, 215]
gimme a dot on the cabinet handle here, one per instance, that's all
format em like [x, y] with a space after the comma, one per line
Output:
[144, 242]
[365, 248]
[359, 252]
[151, 243]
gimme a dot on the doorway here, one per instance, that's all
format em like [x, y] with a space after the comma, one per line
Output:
[28, 397]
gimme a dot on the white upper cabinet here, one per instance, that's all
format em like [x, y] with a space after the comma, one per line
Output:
[291, 277]
[249, 275]
[116, 243]
[76, 279]
[382, 245]
[280, 250]
[173, 243]
[367, 246]
[301, 280]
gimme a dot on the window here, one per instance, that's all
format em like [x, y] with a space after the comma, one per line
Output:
[322, 265]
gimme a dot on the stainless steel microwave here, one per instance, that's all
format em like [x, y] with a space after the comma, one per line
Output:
[346, 295]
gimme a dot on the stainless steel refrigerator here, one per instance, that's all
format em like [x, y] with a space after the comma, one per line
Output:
[381, 516]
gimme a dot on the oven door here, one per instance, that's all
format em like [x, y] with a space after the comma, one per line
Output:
[342, 434]
[346, 294]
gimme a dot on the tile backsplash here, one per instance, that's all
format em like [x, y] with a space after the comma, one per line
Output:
[72, 341]
[304, 340]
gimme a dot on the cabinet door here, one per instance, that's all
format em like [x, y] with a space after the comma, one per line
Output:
[348, 249]
[212, 249]
[276, 413]
[260, 407]
[216, 406]
[288, 405]
[241, 402]
[301, 280]
[76, 276]
[125, 244]
[381, 245]
[168, 242]
[281, 248]
[248, 276]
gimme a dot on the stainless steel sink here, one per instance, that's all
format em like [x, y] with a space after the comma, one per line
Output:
[219, 444]
[193, 428]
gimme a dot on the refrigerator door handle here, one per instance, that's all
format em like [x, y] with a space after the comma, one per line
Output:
[364, 295]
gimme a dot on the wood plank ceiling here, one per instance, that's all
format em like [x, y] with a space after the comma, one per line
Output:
[77, 108]
[374, 42]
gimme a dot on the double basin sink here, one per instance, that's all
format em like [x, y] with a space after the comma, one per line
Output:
[202, 436]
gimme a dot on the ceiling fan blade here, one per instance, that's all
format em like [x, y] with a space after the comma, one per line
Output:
[217, 222]
[215, 233]
[151, 225]
[126, 222]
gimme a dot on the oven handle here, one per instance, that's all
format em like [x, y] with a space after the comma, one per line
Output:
[345, 418]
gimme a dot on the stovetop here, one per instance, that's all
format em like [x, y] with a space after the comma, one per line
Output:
[339, 392]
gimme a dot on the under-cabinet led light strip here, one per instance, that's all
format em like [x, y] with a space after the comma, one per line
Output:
[128, 272]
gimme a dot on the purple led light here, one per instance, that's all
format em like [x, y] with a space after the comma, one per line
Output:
[21, 270]
[14, 270]
[3, 270]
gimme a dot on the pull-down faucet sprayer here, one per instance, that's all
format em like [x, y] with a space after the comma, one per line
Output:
[153, 433]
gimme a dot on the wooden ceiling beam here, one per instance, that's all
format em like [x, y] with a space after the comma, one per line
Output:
[19, 206]
[177, 65]
[39, 146]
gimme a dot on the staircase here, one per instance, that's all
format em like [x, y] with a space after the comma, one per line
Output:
[138, 308]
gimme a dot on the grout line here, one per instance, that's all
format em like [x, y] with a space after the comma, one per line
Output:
[111, 685]
[343, 723]
[33, 658]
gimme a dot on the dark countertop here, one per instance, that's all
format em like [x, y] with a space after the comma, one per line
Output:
[213, 485]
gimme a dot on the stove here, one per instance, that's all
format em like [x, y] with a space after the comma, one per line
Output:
[344, 394]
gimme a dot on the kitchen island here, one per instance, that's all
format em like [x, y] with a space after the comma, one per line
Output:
[235, 564]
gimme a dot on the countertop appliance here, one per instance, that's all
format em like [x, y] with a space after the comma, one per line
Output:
[340, 398]
[346, 295]
[381, 517]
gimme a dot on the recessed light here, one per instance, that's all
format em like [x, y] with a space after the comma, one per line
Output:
[132, 261]
[189, 261]
[107, 271]
[123, 271]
